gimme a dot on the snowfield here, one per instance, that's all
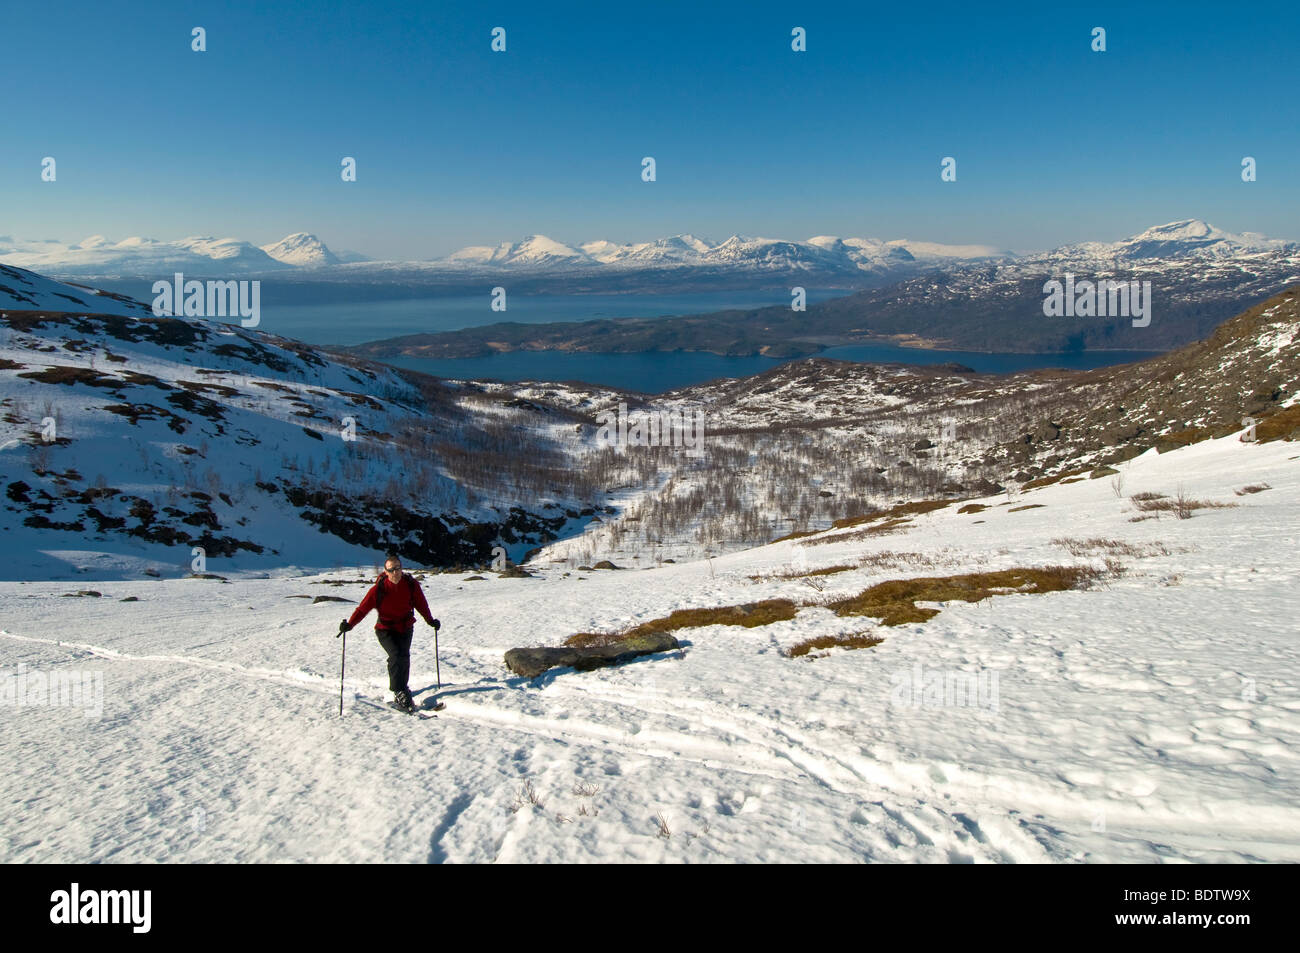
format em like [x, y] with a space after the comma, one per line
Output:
[1154, 717]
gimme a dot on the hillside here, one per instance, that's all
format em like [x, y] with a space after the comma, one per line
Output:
[175, 433]
[128, 441]
[816, 440]
[1146, 717]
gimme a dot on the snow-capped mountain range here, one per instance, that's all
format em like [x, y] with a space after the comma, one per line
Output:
[98, 256]
[824, 251]
[303, 253]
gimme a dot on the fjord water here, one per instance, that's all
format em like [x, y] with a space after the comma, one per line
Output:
[303, 312]
[346, 323]
[656, 371]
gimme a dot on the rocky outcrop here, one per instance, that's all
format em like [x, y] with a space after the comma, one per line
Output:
[531, 662]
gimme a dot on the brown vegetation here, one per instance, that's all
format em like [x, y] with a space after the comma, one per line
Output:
[895, 602]
[748, 615]
[856, 640]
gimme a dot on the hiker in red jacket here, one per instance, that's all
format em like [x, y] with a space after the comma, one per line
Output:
[395, 597]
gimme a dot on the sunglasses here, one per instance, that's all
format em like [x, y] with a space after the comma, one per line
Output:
[394, 569]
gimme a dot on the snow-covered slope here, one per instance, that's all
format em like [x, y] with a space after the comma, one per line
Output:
[1151, 718]
[535, 251]
[126, 442]
[22, 290]
[174, 488]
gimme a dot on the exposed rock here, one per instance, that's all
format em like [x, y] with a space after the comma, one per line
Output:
[1047, 430]
[531, 662]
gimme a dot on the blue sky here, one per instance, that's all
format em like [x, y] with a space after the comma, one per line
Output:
[458, 145]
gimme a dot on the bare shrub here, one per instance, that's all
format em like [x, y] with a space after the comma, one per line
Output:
[526, 794]
[1181, 506]
[1118, 547]
[664, 832]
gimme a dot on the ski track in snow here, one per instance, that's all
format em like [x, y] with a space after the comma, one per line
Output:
[1122, 731]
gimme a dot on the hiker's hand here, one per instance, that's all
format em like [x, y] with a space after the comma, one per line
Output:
[343, 627]
[436, 624]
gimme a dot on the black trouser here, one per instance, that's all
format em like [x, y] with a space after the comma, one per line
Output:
[397, 643]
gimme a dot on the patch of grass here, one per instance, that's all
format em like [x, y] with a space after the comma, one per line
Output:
[884, 529]
[828, 570]
[1182, 438]
[1146, 496]
[1049, 480]
[825, 571]
[895, 602]
[798, 535]
[749, 615]
[973, 508]
[1253, 488]
[1279, 426]
[856, 640]
[1027, 506]
[894, 512]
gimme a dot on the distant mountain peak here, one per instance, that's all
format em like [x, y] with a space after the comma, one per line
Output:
[301, 248]
[1190, 237]
[1191, 229]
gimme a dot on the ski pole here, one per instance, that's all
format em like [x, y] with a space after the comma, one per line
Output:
[436, 661]
[342, 664]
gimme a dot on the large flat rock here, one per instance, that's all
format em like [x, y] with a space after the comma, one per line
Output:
[532, 662]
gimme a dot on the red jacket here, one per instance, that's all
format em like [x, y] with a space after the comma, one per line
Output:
[398, 606]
